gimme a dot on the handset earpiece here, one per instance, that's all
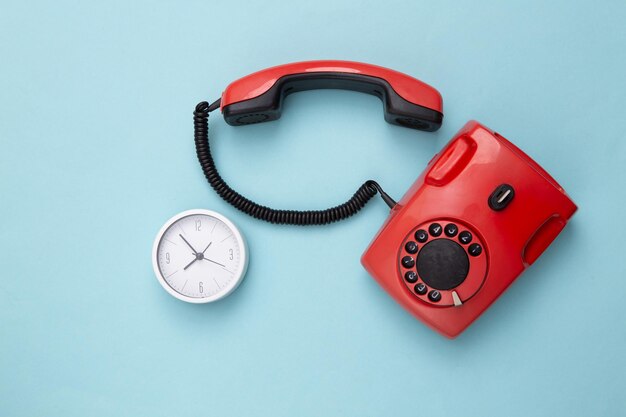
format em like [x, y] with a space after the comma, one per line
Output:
[258, 97]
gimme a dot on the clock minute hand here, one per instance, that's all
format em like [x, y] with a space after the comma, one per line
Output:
[207, 247]
[188, 244]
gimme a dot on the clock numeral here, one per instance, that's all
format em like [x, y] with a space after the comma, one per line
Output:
[230, 254]
[200, 288]
[198, 225]
[167, 257]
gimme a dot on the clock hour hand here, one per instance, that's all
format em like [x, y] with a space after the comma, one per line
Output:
[188, 244]
[189, 264]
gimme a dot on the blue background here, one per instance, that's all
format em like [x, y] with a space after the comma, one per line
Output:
[97, 153]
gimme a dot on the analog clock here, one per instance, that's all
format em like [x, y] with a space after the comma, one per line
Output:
[199, 256]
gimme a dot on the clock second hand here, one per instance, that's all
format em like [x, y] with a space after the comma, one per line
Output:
[207, 259]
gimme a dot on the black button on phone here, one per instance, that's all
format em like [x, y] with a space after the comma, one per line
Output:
[465, 237]
[421, 236]
[434, 296]
[451, 230]
[410, 276]
[408, 262]
[420, 288]
[475, 249]
[411, 247]
[434, 229]
[501, 197]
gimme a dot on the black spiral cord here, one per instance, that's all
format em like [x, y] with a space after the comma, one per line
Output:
[293, 217]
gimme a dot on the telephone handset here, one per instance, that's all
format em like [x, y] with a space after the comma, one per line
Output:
[259, 97]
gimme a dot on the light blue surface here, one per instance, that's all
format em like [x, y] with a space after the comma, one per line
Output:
[97, 152]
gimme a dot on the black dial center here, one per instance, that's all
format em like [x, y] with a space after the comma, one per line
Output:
[442, 264]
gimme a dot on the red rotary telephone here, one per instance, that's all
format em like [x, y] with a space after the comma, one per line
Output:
[475, 219]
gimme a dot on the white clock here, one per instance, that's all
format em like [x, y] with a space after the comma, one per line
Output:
[199, 256]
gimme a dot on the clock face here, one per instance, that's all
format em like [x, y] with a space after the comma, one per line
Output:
[199, 256]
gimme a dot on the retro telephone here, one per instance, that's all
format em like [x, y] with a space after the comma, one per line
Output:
[474, 220]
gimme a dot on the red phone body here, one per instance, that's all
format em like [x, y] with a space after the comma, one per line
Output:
[440, 279]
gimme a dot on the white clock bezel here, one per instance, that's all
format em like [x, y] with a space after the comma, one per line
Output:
[238, 275]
